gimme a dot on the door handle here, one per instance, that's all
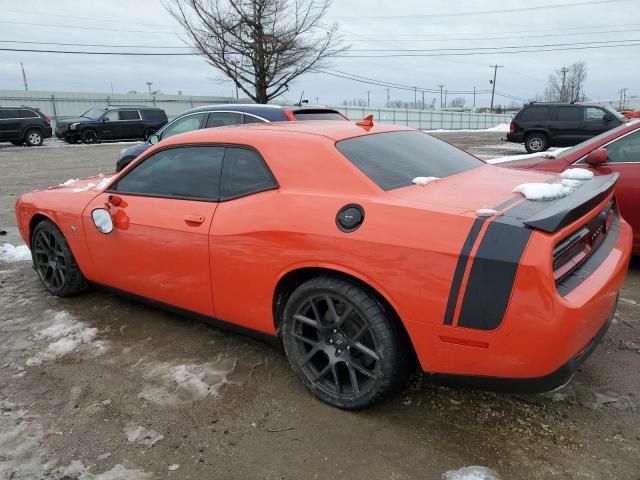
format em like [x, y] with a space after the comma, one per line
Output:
[194, 218]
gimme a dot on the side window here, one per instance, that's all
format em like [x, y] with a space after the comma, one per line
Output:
[592, 113]
[185, 124]
[182, 172]
[129, 115]
[569, 114]
[244, 173]
[534, 113]
[26, 114]
[252, 119]
[220, 119]
[625, 150]
[112, 116]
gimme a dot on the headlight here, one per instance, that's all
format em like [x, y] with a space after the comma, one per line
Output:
[73, 126]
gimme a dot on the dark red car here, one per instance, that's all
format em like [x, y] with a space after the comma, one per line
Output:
[615, 151]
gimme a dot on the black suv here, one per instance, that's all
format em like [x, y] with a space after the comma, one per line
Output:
[544, 125]
[20, 125]
[226, 114]
[112, 123]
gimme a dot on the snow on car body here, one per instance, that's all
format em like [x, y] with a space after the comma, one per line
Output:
[317, 235]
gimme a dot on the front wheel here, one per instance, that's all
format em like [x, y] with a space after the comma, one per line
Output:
[33, 138]
[342, 344]
[90, 136]
[54, 261]
[536, 142]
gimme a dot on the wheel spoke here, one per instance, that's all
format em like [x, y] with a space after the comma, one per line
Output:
[347, 312]
[321, 373]
[354, 380]
[304, 339]
[307, 321]
[363, 370]
[332, 310]
[336, 382]
[309, 356]
[360, 332]
[366, 350]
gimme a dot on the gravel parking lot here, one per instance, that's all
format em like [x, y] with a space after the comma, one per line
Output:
[100, 387]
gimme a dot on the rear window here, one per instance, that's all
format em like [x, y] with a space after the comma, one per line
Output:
[393, 159]
[533, 113]
[153, 114]
[317, 115]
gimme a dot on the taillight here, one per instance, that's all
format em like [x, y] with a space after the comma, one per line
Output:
[512, 127]
[47, 120]
[576, 248]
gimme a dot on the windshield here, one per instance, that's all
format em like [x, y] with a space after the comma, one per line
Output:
[93, 113]
[394, 159]
[593, 140]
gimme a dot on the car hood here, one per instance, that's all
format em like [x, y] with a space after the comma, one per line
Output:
[75, 119]
[484, 187]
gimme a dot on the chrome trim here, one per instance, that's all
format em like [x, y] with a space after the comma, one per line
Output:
[207, 112]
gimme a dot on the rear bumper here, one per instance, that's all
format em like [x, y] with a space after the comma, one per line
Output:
[515, 137]
[545, 383]
[47, 132]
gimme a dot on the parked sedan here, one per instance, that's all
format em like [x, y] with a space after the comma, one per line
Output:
[223, 115]
[360, 247]
[615, 151]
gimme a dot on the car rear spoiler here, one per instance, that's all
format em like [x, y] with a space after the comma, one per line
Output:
[568, 209]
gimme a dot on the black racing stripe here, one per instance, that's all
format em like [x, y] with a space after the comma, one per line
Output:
[508, 203]
[493, 275]
[461, 266]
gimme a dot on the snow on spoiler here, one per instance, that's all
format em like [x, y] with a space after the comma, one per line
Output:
[565, 210]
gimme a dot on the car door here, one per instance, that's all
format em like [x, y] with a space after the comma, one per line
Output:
[11, 124]
[130, 124]
[162, 210]
[624, 158]
[596, 121]
[565, 125]
[242, 246]
[109, 127]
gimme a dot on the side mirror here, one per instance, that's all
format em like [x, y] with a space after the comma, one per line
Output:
[598, 157]
[607, 118]
[153, 139]
[102, 220]
[105, 119]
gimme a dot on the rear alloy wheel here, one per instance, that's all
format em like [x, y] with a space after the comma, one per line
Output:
[90, 136]
[54, 261]
[147, 133]
[33, 138]
[536, 142]
[342, 344]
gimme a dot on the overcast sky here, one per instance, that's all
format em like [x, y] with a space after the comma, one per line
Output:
[365, 24]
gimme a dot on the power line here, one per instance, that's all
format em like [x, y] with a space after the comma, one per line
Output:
[92, 44]
[85, 28]
[483, 12]
[90, 18]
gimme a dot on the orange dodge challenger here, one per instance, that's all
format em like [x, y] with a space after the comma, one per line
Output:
[362, 248]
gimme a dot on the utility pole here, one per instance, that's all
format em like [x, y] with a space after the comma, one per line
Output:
[423, 100]
[317, 100]
[415, 97]
[445, 98]
[474, 96]
[388, 90]
[493, 90]
[368, 97]
[149, 86]
[563, 95]
[24, 78]
[441, 87]
[623, 97]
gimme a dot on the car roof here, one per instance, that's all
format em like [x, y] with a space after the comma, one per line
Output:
[334, 130]
[137, 107]
[256, 106]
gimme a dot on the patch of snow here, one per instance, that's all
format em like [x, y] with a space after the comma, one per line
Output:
[172, 384]
[174, 467]
[628, 301]
[139, 434]
[66, 183]
[11, 253]
[510, 158]
[77, 470]
[503, 127]
[471, 473]
[67, 334]
[424, 180]
[572, 184]
[486, 212]
[577, 174]
[101, 185]
[543, 191]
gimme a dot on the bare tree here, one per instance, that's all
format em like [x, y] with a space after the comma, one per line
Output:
[567, 84]
[457, 102]
[261, 45]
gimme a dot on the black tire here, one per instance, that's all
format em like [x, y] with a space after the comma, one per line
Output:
[33, 138]
[147, 133]
[17, 142]
[90, 136]
[330, 348]
[536, 142]
[54, 261]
